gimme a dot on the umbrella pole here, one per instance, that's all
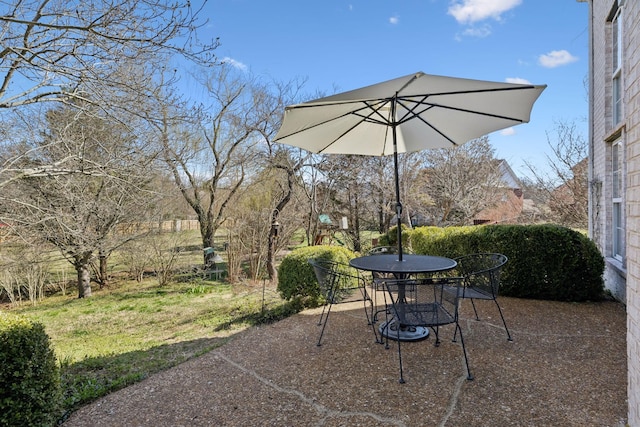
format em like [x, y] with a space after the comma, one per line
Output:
[395, 164]
[398, 207]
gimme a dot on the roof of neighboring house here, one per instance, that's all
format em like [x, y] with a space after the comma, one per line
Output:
[508, 176]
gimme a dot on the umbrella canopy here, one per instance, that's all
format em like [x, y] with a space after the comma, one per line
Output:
[406, 114]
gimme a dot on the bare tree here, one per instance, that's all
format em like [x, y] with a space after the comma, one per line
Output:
[78, 212]
[347, 177]
[209, 158]
[377, 207]
[284, 163]
[278, 236]
[566, 181]
[253, 220]
[318, 188]
[459, 182]
[99, 55]
[56, 50]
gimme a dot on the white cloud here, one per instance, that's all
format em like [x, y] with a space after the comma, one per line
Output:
[479, 32]
[508, 132]
[236, 64]
[556, 58]
[517, 80]
[394, 20]
[470, 11]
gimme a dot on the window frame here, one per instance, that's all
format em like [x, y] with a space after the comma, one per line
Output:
[616, 63]
[617, 201]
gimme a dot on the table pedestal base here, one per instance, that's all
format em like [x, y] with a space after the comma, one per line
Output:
[407, 333]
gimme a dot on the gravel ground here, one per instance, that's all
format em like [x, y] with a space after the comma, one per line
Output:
[565, 367]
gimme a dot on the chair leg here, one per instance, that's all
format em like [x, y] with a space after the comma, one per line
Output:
[474, 309]
[387, 322]
[464, 351]
[367, 298]
[324, 325]
[503, 321]
[324, 308]
[327, 304]
[399, 354]
[384, 332]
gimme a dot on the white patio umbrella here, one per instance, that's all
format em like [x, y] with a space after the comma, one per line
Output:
[406, 114]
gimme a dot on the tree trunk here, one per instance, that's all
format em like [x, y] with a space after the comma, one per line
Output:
[103, 275]
[356, 225]
[84, 278]
[271, 254]
[273, 230]
[208, 232]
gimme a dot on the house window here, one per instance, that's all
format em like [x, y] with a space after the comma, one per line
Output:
[616, 61]
[617, 223]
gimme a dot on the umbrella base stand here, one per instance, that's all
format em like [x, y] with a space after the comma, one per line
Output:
[389, 330]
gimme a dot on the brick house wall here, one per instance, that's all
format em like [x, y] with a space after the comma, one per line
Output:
[507, 211]
[508, 207]
[622, 274]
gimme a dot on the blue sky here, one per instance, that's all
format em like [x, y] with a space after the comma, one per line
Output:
[342, 45]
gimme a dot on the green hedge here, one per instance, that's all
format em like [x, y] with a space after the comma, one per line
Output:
[391, 237]
[546, 261]
[296, 278]
[30, 393]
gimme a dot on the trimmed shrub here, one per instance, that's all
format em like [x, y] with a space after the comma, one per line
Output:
[546, 261]
[296, 278]
[30, 393]
[451, 242]
[390, 238]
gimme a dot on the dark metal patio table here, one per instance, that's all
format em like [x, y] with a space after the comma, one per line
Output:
[410, 265]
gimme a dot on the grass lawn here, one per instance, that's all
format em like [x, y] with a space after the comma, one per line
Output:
[128, 330]
[123, 334]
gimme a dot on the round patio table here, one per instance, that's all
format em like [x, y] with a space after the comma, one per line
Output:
[410, 264]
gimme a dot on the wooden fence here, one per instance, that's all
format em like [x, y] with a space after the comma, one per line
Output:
[163, 226]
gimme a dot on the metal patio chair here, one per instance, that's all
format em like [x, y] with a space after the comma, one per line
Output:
[377, 283]
[427, 303]
[481, 274]
[338, 282]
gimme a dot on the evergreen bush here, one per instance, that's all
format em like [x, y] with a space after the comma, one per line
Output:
[30, 393]
[296, 278]
[546, 261]
[390, 238]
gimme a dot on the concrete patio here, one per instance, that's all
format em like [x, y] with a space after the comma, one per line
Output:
[565, 367]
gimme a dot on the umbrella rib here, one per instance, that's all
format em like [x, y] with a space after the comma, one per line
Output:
[423, 97]
[466, 92]
[411, 113]
[375, 110]
[408, 117]
[302, 106]
[365, 118]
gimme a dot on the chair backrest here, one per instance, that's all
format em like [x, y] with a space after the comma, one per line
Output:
[324, 271]
[425, 302]
[336, 280]
[482, 272]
